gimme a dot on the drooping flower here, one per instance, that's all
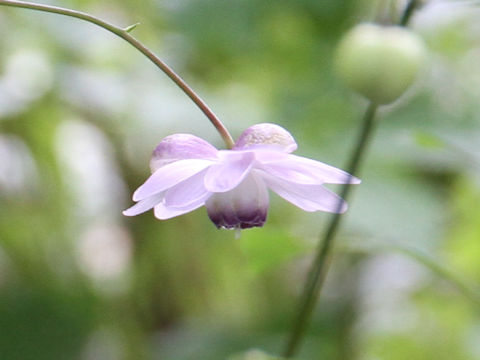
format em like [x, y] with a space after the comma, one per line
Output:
[188, 172]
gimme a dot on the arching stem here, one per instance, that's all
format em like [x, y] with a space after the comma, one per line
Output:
[125, 35]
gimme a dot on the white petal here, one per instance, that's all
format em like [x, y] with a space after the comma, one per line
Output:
[230, 172]
[307, 197]
[180, 146]
[163, 212]
[144, 205]
[170, 175]
[187, 192]
[305, 171]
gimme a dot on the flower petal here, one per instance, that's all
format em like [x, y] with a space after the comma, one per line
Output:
[230, 172]
[244, 207]
[307, 197]
[305, 171]
[144, 205]
[266, 135]
[187, 192]
[179, 147]
[170, 175]
[163, 212]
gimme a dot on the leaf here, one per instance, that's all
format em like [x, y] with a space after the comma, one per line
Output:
[131, 27]
[429, 141]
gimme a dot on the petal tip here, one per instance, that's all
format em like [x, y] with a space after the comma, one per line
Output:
[341, 207]
[127, 213]
[355, 181]
[137, 196]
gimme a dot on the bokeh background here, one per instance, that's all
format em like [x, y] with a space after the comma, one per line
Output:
[81, 111]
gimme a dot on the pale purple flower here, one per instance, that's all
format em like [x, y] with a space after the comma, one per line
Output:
[188, 172]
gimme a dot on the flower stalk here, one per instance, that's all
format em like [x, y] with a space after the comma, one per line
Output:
[322, 260]
[124, 33]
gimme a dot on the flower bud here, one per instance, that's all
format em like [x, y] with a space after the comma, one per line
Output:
[379, 62]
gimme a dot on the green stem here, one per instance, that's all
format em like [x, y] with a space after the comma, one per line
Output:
[124, 34]
[321, 262]
[408, 12]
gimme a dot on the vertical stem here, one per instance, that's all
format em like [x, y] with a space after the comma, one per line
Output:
[408, 12]
[124, 34]
[321, 262]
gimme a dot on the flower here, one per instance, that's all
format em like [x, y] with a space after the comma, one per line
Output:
[188, 172]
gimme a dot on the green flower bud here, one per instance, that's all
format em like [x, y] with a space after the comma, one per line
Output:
[379, 62]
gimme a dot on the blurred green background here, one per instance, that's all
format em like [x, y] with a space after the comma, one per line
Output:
[81, 111]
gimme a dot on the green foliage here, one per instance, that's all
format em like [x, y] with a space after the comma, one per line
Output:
[428, 141]
[464, 248]
[44, 322]
[267, 251]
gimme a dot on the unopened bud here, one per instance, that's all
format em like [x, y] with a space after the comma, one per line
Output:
[379, 62]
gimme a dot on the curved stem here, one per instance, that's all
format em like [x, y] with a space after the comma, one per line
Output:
[321, 263]
[124, 34]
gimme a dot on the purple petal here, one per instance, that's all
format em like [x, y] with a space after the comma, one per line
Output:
[244, 207]
[179, 147]
[266, 135]
[144, 205]
[187, 192]
[230, 172]
[307, 197]
[170, 175]
[305, 171]
[163, 212]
